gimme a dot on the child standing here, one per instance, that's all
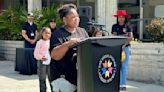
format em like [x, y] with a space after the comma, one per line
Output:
[41, 53]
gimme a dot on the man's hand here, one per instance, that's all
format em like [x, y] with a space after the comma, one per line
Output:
[32, 41]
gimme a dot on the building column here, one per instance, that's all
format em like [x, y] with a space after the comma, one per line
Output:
[34, 5]
[101, 12]
[111, 9]
[105, 11]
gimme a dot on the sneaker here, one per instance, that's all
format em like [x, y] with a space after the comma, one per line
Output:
[123, 88]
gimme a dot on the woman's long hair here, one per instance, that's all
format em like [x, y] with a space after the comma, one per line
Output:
[126, 20]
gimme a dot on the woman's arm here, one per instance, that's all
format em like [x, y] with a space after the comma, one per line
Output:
[130, 37]
[59, 52]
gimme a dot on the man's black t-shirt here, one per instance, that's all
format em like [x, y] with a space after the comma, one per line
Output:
[30, 32]
[29, 29]
[67, 65]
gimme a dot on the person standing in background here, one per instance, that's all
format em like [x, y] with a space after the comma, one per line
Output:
[29, 32]
[52, 25]
[41, 53]
[97, 34]
[121, 28]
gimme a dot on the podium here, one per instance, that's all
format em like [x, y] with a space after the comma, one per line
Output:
[99, 61]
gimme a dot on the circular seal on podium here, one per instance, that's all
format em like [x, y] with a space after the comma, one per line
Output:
[107, 68]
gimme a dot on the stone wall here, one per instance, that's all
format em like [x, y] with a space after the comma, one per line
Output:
[8, 49]
[147, 63]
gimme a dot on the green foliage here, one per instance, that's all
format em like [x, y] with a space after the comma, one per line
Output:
[12, 19]
[41, 18]
[156, 30]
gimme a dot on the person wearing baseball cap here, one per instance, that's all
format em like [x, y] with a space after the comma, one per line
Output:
[121, 28]
[29, 32]
[30, 14]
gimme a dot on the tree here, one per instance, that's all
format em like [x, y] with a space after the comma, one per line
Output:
[12, 19]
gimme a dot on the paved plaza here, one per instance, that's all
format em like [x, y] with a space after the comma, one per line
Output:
[12, 81]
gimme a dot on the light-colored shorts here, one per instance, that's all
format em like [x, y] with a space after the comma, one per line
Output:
[63, 85]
